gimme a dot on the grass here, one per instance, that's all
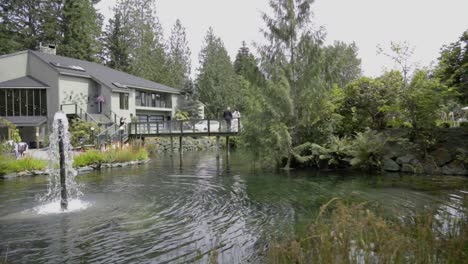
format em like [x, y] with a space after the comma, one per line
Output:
[9, 165]
[92, 157]
[355, 233]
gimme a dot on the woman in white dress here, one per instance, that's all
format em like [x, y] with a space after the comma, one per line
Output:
[235, 121]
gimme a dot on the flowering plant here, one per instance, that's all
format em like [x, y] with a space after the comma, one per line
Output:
[100, 99]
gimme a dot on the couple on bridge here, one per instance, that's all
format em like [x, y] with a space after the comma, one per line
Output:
[229, 117]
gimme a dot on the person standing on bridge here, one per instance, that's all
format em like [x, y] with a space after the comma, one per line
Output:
[228, 117]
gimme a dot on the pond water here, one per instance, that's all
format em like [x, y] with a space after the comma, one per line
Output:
[174, 210]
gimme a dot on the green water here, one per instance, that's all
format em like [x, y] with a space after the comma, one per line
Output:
[179, 210]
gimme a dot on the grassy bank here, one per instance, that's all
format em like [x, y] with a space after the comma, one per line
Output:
[10, 165]
[92, 157]
[356, 233]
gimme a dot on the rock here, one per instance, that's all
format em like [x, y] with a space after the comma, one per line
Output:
[455, 167]
[390, 165]
[86, 168]
[407, 168]
[105, 165]
[442, 156]
[405, 159]
[23, 173]
[37, 172]
[430, 166]
[9, 175]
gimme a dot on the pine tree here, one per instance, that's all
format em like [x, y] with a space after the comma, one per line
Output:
[117, 44]
[216, 83]
[245, 65]
[20, 25]
[178, 57]
[81, 28]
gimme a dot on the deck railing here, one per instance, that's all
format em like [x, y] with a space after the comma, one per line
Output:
[185, 127]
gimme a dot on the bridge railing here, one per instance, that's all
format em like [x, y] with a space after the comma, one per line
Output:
[191, 126]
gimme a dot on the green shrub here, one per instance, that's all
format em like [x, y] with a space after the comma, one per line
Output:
[8, 165]
[88, 158]
[463, 124]
[91, 157]
[367, 150]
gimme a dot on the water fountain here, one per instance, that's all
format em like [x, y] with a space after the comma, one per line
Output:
[62, 186]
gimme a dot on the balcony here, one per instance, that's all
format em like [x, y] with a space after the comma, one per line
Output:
[145, 100]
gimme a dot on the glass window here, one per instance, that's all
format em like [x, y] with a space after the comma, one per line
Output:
[2, 102]
[16, 102]
[43, 102]
[124, 101]
[143, 98]
[37, 102]
[9, 105]
[24, 102]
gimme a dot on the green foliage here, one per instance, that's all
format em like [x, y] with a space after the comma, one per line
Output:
[94, 157]
[245, 65]
[12, 130]
[117, 43]
[181, 115]
[178, 57]
[216, 84]
[9, 165]
[453, 66]
[361, 233]
[82, 129]
[367, 150]
[81, 27]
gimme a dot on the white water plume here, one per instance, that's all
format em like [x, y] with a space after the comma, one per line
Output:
[54, 187]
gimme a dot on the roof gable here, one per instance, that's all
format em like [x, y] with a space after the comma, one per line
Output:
[23, 82]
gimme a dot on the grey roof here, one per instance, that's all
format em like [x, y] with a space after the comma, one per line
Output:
[26, 120]
[101, 73]
[23, 82]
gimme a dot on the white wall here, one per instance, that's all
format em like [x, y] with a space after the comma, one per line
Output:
[115, 105]
[82, 91]
[44, 73]
[14, 66]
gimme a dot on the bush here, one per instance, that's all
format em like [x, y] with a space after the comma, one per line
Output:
[367, 150]
[464, 124]
[9, 165]
[92, 157]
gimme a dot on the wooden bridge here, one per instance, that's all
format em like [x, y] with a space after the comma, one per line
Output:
[185, 128]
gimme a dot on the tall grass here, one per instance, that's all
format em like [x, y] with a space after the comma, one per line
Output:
[354, 233]
[9, 165]
[92, 157]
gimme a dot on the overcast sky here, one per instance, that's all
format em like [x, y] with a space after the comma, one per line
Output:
[425, 24]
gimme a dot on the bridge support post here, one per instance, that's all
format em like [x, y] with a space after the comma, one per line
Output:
[228, 147]
[180, 145]
[217, 147]
[172, 145]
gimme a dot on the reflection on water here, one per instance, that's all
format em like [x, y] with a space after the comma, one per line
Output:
[192, 207]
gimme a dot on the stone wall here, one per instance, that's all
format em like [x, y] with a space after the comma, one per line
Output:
[448, 156]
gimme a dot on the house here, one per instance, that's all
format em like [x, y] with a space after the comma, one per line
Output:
[36, 84]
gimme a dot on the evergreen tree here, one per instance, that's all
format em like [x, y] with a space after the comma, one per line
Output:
[20, 25]
[178, 57]
[117, 44]
[453, 66]
[81, 28]
[216, 83]
[245, 65]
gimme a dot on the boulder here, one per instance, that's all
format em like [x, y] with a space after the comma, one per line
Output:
[455, 167]
[408, 168]
[430, 166]
[23, 173]
[405, 159]
[390, 165]
[86, 168]
[441, 156]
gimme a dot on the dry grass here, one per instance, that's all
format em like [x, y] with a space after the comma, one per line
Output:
[354, 233]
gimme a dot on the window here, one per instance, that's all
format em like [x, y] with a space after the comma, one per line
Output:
[124, 101]
[23, 102]
[143, 98]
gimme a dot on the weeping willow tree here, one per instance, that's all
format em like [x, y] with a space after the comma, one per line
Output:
[283, 112]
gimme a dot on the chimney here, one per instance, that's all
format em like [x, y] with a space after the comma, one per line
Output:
[49, 49]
